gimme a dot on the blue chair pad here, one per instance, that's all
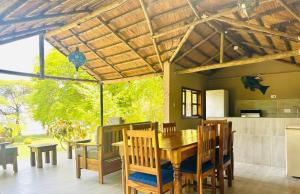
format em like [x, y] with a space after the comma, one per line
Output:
[190, 165]
[226, 158]
[149, 179]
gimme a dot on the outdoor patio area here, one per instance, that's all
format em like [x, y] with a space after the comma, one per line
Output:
[62, 180]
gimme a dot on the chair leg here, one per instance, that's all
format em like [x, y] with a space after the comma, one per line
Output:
[221, 179]
[128, 190]
[15, 165]
[101, 179]
[78, 170]
[229, 175]
[135, 191]
[214, 184]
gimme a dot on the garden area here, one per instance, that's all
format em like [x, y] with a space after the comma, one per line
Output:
[68, 110]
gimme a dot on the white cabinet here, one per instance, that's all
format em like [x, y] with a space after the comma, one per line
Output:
[293, 151]
[217, 103]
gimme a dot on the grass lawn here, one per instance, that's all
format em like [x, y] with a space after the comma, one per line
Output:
[23, 149]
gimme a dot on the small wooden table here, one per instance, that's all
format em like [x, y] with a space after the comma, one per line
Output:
[175, 147]
[37, 150]
[72, 144]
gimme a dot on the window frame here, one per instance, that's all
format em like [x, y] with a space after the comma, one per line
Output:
[199, 103]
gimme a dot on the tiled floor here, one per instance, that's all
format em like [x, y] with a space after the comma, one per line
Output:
[249, 179]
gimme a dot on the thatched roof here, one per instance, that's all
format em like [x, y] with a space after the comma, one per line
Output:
[128, 38]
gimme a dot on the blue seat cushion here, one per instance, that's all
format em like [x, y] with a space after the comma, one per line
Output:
[226, 158]
[190, 165]
[149, 179]
[166, 164]
[11, 151]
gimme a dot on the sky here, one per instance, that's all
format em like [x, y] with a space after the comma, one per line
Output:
[20, 56]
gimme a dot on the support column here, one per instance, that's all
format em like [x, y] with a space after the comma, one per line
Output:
[222, 48]
[42, 56]
[101, 103]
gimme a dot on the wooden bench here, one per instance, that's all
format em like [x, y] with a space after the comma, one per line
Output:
[101, 156]
[8, 155]
[36, 154]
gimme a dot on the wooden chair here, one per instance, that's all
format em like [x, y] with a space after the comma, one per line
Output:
[202, 166]
[101, 156]
[169, 127]
[142, 163]
[224, 151]
[8, 155]
[144, 126]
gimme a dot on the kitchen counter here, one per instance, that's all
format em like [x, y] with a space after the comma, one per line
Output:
[261, 140]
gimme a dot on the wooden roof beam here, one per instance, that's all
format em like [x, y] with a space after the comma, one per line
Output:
[195, 46]
[151, 33]
[40, 17]
[258, 28]
[241, 62]
[288, 9]
[126, 43]
[91, 15]
[263, 47]
[100, 57]
[196, 22]
[66, 51]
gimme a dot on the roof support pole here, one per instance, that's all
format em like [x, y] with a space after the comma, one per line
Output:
[42, 56]
[101, 104]
[222, 47]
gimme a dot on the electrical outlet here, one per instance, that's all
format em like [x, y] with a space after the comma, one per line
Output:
[273, 96]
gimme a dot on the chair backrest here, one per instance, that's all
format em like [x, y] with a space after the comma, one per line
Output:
[144, 126]
[225, 139]
[206, 146]
[141, 153]
[169, 127]
[106, 136]
[224, 133]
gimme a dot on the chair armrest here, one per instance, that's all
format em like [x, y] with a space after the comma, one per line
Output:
[83, 141]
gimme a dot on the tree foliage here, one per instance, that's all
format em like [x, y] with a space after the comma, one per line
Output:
[52, 100]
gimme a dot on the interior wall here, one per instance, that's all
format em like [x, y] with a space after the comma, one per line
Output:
[283, 79]
[173, 84]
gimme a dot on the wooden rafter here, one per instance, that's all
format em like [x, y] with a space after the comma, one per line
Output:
[288, 9]
[94, 52]
[195, 46]
[258, 28]
[126, 43]
[221, 48]
[241, 62]
[216, 55]
[91, 15]
[132, 78]
[263, 47]
[196, 22]
[40, 17]
[30, 31]
[12, 8]
[151, 33]
[66, 51]
[182, 41]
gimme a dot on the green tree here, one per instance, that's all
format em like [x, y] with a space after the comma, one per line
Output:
[13, 98]
[53, 100]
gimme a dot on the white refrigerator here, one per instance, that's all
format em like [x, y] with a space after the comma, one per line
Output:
[217, 103]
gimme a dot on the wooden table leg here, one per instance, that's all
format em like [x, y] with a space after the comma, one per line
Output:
[47, 157]
[32, 158]
[54, 156]
[177, 179]
[69, 149]
[39, 159]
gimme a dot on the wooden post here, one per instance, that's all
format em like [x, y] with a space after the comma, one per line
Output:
[101, 103]
[222, 47]
[241, 62]
[42, 56]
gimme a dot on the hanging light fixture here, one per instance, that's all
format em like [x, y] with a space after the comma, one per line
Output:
[77, 58]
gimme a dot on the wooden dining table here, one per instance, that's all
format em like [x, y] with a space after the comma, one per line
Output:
[175, 147]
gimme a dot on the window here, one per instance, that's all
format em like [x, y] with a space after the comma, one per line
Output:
[191, 103]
